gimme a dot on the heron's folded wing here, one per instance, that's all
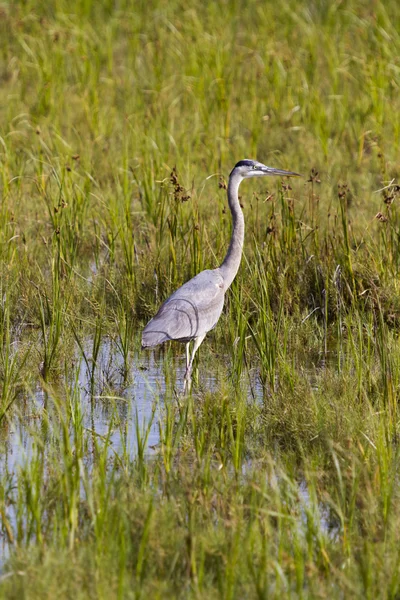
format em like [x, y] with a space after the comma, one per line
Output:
[191, 311]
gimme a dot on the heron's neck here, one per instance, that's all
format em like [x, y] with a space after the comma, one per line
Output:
[231, 263]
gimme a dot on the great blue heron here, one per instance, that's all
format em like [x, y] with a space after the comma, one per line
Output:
[194, 309]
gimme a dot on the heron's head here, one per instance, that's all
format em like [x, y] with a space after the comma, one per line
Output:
[252, 168]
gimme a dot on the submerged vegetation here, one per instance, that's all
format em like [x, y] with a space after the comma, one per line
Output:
[279, 475]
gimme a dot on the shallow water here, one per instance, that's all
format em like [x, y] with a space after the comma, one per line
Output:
[110, 414]
[119, 398]
[113, 408]
[112, 411]
[138, 398]
[132, 399]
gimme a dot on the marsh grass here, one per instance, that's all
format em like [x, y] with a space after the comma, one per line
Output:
[278, 476]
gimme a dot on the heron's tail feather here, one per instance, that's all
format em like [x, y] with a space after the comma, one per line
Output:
[153, 338]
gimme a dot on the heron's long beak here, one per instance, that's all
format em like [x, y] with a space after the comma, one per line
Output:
[282, 172]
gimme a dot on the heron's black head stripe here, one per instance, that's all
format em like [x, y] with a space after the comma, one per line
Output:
[245, 163]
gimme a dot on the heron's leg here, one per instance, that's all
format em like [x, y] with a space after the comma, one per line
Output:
[186, 381]
[188, 374]
[187, 355]
[197, 343]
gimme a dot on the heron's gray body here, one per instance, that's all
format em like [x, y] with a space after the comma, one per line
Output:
[191, 311]
[194, 309]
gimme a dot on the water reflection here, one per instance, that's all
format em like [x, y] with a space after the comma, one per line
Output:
[110, 405]
[114, 400]
[124, 402]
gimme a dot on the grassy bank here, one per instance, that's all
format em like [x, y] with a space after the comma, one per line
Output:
[119, 124]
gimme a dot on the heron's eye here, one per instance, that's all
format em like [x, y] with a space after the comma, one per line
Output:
[255, 167]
